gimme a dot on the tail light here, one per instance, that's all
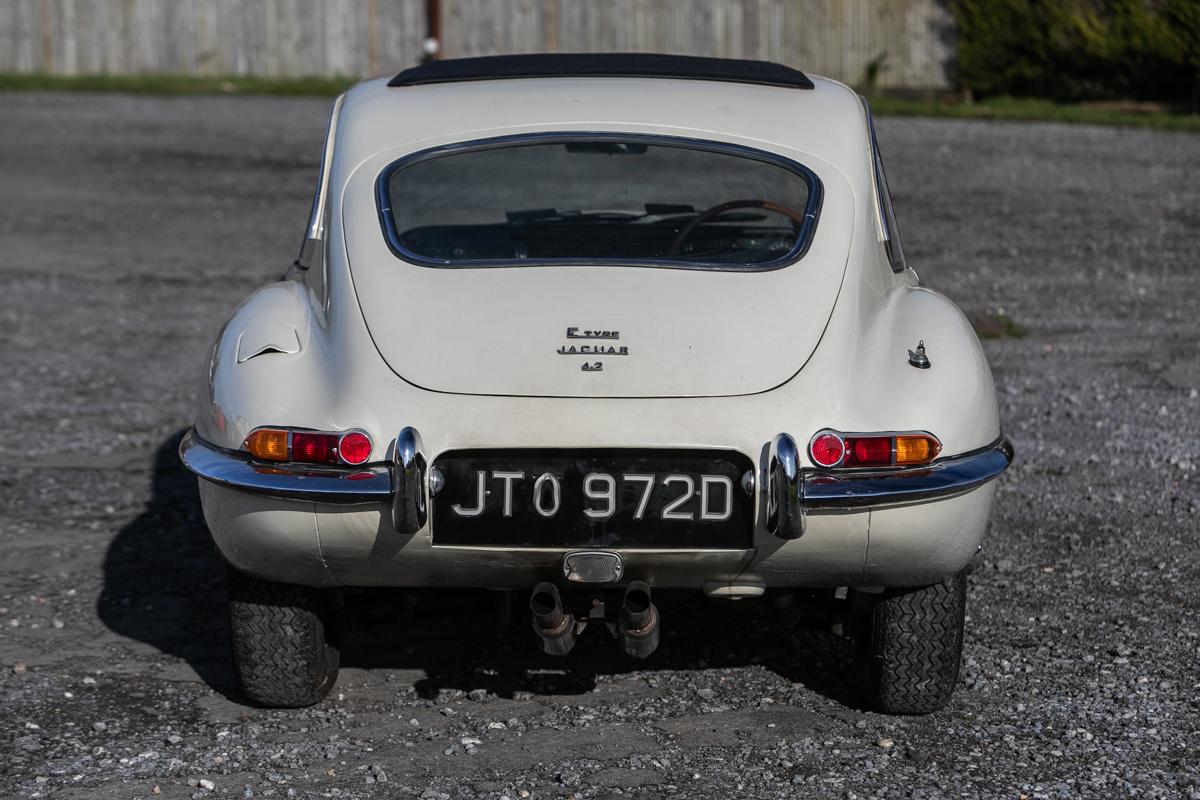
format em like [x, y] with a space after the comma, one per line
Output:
[830, 449]
[868, 451]
[354, 447]
[309, 447]
[827, 449]
[314, 448]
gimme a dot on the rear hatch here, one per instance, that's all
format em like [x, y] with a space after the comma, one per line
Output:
[471, 288]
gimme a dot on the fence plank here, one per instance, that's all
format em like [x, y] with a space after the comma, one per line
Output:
[912, 41]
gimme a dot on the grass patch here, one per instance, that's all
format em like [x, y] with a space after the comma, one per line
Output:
[996, 326]
[992, 108]
[176, 84]
[1016, 108]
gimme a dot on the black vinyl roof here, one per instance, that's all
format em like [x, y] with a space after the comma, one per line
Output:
[602, 65]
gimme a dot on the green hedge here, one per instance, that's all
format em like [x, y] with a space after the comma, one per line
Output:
[1072, 50]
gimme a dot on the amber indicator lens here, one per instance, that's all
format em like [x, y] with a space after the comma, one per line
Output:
[917, 448]
[268, 444]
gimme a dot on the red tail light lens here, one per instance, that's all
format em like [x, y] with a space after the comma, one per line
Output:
[314, 448]
[827, 449]
[869, 451]
[354, 447]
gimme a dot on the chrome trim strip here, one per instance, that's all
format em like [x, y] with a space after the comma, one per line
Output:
[832, 490]
[409, 505]
[784, 489]
[316, 219]
[883, 200]
[344, 485]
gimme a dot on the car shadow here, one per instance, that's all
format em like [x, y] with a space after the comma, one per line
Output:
[471, 640]
[164, 586]
[163, 581]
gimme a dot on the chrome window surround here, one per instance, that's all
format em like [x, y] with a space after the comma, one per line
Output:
[316, 218]
[811, 213]
[312, 248]
[883, 197]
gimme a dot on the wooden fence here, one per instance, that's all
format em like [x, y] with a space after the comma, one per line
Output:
[899, 44]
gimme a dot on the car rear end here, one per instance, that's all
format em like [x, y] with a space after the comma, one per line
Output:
[653, 344]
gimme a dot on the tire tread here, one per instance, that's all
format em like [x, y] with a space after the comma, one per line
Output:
[912, 651]
[281, 658]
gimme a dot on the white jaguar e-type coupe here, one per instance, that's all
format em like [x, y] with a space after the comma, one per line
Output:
[591, 326]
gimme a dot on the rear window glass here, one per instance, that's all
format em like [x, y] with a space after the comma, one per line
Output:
[599, 199]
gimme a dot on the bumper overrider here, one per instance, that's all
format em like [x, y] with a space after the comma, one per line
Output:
[790, 491]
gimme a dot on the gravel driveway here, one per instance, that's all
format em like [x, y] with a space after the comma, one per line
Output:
[131, 226]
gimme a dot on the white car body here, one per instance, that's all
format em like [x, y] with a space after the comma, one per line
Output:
[721, 360]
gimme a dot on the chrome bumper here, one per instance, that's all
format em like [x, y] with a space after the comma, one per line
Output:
[351, 485]
[874, 489]
[402, 483]
[790, 493]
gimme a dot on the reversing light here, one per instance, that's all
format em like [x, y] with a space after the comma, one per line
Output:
[829, 449]
[308, 447]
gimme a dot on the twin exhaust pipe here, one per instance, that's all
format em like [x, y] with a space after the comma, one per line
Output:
[553, 625]
[636, 624]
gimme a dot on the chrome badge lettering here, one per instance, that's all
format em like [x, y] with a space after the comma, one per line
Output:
[575, 333]
[592, 350]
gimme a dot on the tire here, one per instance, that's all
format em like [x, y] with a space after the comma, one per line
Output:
[281, 656]
[909, 647]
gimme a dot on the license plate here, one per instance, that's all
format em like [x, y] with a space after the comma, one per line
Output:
[602, 498]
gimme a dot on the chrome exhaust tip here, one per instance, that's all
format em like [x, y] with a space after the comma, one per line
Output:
[638, 628]
[554, 625]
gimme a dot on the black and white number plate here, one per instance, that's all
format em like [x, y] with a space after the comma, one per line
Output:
[596, 498]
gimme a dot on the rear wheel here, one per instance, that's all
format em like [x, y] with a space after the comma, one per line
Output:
[282, 656]
[909, 646]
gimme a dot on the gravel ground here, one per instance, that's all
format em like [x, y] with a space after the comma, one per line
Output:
[130, 227]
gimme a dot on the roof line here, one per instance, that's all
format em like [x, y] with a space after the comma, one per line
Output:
[602, 65]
